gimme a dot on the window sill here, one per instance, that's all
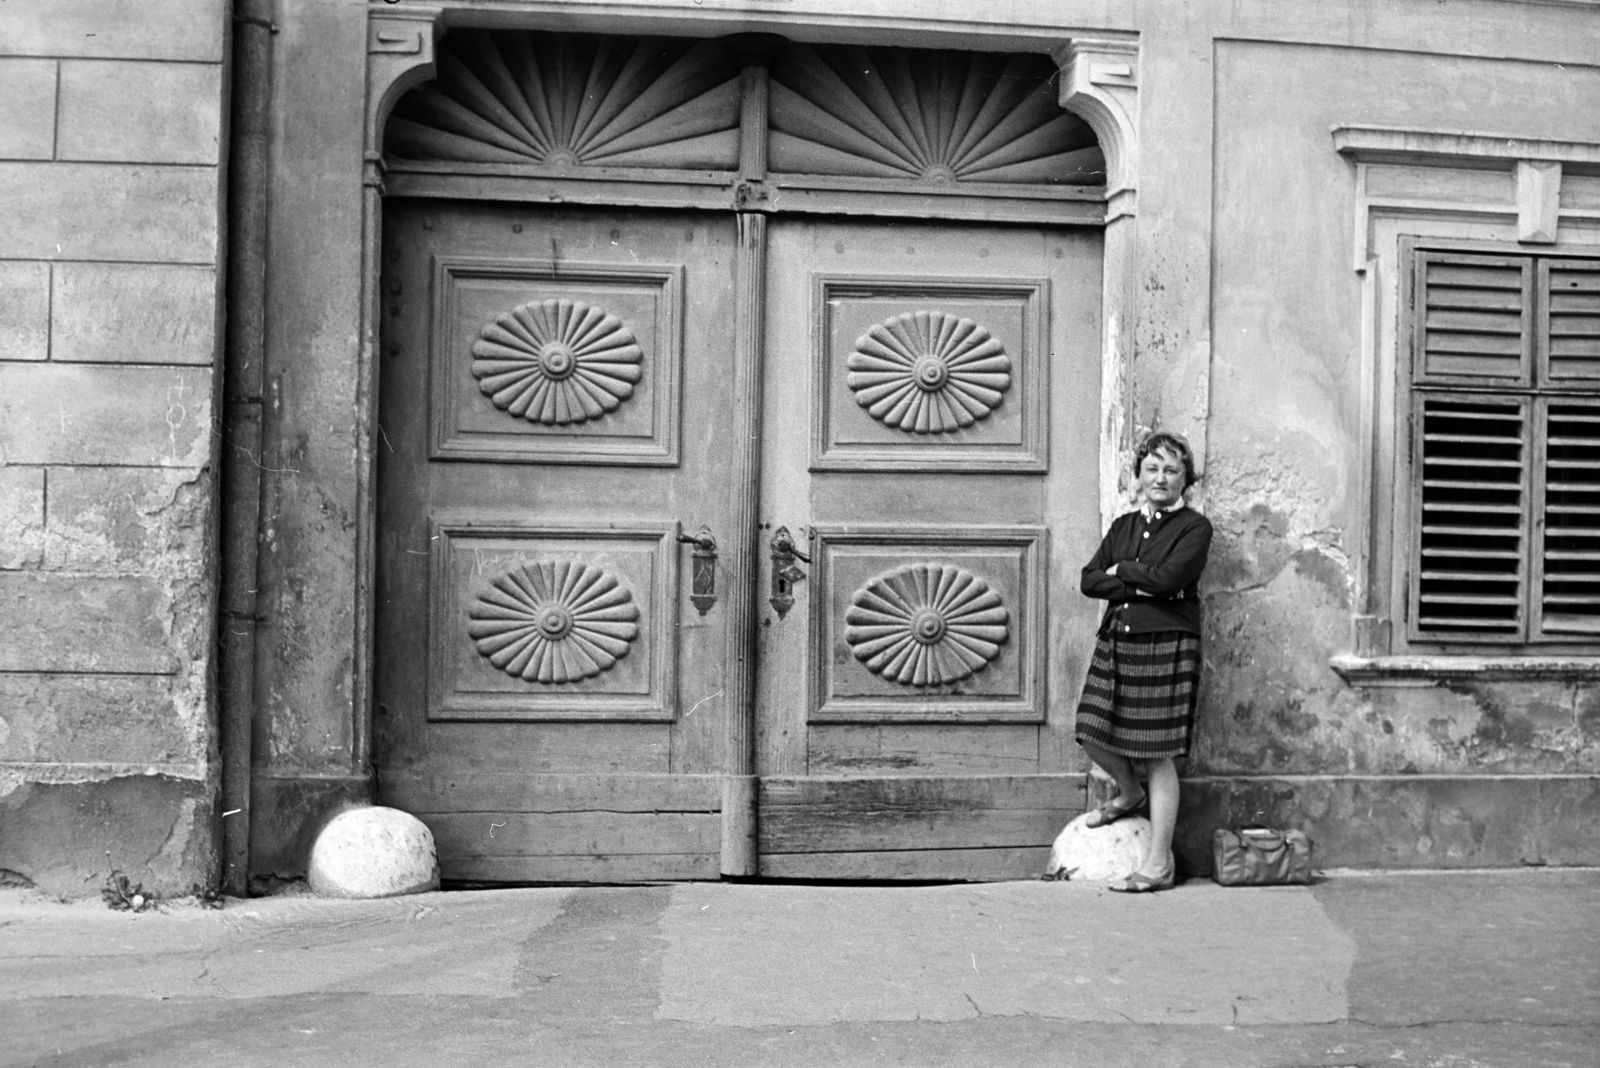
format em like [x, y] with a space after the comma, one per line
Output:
[1431, 670]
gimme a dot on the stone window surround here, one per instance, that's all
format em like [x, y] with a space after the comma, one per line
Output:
[1533, 217]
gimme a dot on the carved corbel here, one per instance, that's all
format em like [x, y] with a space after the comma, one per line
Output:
[400, 55]
[1100, 84]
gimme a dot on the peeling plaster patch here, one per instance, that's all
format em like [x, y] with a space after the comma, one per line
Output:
[177, 843]
[1327, 568]
[1113, 420]
[63, 773]
[1269, 703]
[152, 525]
[1589, 714]
[1523, 727]
[67, 718]
[1293, 475]
[1184, 398]
[166, 533]
[192, 704]
[118, 624]
[22, 496]
[1253, 548]
[1414, 822]
[68, 835]
[114, 519]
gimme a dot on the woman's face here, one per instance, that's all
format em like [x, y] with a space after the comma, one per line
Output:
[1161, 477]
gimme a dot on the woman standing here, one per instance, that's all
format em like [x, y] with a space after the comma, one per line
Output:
[1139, 699]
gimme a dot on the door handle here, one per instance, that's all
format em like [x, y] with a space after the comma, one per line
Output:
[703, 568]
[785, 573]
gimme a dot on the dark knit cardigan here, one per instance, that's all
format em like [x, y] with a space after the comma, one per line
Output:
[1159, 561]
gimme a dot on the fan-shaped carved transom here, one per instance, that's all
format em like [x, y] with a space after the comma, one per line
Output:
[569, 100]
[939, 116]
[928, 372]
[926, 625]
[572, 101]
[557, 361]
[554, 621]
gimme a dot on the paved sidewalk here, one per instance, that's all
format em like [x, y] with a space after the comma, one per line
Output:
[1454, 970]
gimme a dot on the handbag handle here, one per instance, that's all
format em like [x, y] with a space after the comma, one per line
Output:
[1264, 838]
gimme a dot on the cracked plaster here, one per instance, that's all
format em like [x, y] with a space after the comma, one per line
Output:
[1279, 593]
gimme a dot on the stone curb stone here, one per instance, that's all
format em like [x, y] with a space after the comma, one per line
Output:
[373, 852]
[1099, 854]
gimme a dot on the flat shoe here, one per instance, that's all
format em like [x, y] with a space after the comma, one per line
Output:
[1110, 812]
[1144, 884]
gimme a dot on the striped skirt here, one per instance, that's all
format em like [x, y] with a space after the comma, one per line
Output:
[1139, 698]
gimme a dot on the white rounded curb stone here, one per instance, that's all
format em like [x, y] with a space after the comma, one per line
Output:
[1100, 854]
[373, 852]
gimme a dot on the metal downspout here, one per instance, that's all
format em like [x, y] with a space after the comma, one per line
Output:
[241, 423]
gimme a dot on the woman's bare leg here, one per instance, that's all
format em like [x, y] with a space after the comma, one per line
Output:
[1163, 816]
[1119, 768]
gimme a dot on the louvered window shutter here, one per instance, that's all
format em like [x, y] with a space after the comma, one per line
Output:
[1506, 458]
[1569, 292]
[1470, 578]
[1474, 319]
[1569, 601]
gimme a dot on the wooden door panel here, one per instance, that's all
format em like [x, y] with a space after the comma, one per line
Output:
[912, 702]
[578, 834]
[476, 750]
[928, 373]
[945, 827]
[610, 335]
[924, 498]
[552, 623]
[546, 373]
[987, 864]
[590, 867]
[475, 790]
[927, 626]
[879, 749]
[499, 826]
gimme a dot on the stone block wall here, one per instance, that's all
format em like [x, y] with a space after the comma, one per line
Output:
[111, 134]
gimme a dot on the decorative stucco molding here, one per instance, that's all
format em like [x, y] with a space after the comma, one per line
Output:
[1439, 185]
[1393, 144]
[400, 55]
[1538, 167]
[1100, 84]
[1432, 670]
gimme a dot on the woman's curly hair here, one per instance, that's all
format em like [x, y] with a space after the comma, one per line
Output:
[1165, 441]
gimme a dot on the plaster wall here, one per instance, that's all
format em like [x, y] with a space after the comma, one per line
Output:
[111, 122]
[1245, 318]
[1284, 481]
[1283, 467]
[307, 757]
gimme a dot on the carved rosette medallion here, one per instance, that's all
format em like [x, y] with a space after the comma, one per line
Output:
[926, 624]
[557, 362]
[554, 622]
[928, 372]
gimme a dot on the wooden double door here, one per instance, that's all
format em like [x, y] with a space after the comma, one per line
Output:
[567, 416]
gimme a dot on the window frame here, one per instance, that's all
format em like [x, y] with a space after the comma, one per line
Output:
[1533, 390]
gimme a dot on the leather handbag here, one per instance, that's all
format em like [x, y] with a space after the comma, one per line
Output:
[1260, 856]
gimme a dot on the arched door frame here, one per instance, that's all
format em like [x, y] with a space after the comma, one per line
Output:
[1099, 82]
